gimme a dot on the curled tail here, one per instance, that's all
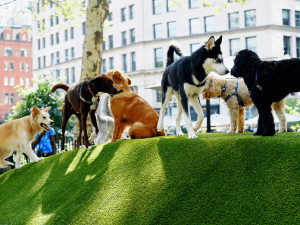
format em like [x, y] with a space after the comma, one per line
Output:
[170, 54]
[62, 86]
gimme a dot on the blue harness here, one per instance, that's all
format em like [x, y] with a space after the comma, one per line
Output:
[240, 100]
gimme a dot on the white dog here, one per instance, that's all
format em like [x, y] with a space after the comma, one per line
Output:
[18, 134]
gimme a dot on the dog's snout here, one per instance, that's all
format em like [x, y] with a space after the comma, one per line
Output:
[226, 71]
[51, 123]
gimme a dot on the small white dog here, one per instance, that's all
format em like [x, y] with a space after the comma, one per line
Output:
[105, 122]
[18, 135]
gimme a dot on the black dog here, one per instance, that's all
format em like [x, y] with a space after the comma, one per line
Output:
[267, 82]
[185, 78]
[78, 100]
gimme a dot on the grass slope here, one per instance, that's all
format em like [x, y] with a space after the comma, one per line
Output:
[215, 179]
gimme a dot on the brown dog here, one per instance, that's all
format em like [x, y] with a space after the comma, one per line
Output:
[78, 100]
[18, 135]
[129, 109]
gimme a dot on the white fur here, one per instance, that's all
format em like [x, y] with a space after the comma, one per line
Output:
[210, 65]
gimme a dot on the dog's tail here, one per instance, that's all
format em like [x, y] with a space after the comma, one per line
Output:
[170, 54]
[61, 86]
[104, 105]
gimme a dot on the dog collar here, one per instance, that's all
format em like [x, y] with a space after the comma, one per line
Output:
[223, 88]
[94, 103]
[91, 91]
[240, 100]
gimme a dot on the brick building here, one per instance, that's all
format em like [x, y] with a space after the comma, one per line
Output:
[15, 66]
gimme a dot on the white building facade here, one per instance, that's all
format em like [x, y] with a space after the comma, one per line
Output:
[140, 32]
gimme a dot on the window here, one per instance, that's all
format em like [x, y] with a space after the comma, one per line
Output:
[110, 17]
[66, 55]
[57, 73]
[157, 31]
[57, 20]
[72, 53]
[44, 61]
[27, 82]
[73, 74]
[123, 16]
[172, 29]
[83, 28]
[286, 17]
[12, 98]
[57, 57]
[12, 81]
[194, 47]
[5, 81]
[72, 32]
[251, 43]
[158, 96]
[104, 66]
[44, 42]
[22, 82]
[51, 21]
[67, 75]
[6, 99]
[52, 59]
[209, 24]
[39, 44]
[124, 58]
[131, 16]
[12, 66]
[157, 7]
[250, 18]
[234, 45]
[132, 35]
[21, 67]
[233, 19]
[66, 35]
[57, 38]
[52, 39]
[124, 38]
[24, 37]
[133, 61]
[193, 4]
[8, 52]
[298, 47]
[103, 45]
[195, 26]
[26, 67]
[8, 36]
[297, 18]
[158, 55]
[208, 3]
[111, 63]
[287, 45]
[170, 6]
[110, 42]
[24, 52]
[5, 66]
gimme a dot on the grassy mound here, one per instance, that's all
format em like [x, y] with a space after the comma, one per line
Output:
[215, 179]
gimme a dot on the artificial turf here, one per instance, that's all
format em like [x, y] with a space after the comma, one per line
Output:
[214, 179]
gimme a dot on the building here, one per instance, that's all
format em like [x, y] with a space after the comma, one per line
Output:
[140, 32]
[15, 66]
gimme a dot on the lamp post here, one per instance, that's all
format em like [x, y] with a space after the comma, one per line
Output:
[208, 115]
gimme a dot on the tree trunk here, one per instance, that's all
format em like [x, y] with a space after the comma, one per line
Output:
[96, 14]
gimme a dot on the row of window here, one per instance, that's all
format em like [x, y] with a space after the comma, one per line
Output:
[10, 66]
[10, 81]
[110, 62]
[123, 14]
[8, 51]
[286, 18]
[9, 99]
[69, 74]
[18, 37]
[124, 39]
[55, 58]
[287, 45]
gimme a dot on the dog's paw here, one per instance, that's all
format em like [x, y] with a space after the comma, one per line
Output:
[10, 164]
[192, 136]
[230, 132]
[268, 134]
[89, 148]
[18, 166]
[180, 133]
[82, 146]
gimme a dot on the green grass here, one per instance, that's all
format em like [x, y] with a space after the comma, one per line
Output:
[215, 179]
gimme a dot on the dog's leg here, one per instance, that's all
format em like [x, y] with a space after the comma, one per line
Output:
[178, 119]
[266, 119]
[195, 101]
[26, 148]
[118, 129]
[186, 115]
[233, 112]
[4, 163]
[94, 121]
[18, 159]
[85, 135]
[66, 114]
[280, 112]
[241, 122]
[260, 127]
[166, 96]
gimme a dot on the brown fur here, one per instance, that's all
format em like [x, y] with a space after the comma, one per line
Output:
[212, 89]
[121, 80]
[18, 135]
[74, 105]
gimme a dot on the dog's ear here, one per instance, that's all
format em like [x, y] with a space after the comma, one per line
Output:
[210, 43]
[47, 109]
[219, 41]
[34, 111]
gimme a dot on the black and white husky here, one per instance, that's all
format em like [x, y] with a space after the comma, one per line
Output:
[185, 78]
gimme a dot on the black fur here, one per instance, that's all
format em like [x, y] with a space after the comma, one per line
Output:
[275, 80]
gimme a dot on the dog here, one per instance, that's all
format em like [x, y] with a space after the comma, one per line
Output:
[186, 77]
[237, 97]
[267, 82]
[18, 135]
[80, 99]
[104, 119]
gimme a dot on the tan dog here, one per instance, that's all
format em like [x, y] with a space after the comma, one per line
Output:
[121, 80]
[213, 88]
[18, 135]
